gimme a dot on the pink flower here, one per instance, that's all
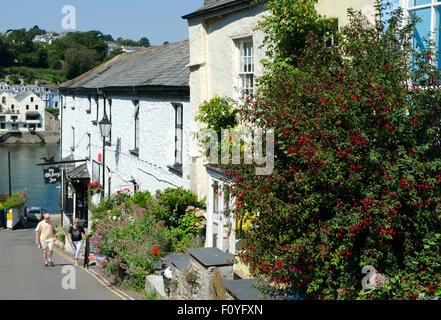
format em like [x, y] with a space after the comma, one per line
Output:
[200, 213]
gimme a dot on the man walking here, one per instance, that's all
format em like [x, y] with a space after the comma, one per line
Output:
[45, 235]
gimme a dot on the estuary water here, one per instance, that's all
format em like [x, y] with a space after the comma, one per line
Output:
[26, 175]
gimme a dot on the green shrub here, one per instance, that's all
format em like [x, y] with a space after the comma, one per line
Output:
[141, 198]
[61, 235]
[177, 201]
[131, 231]
[16, 200]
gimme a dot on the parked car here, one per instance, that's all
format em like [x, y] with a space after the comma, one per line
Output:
[34, 214]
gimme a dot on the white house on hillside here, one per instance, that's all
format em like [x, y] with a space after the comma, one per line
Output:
[145, 95]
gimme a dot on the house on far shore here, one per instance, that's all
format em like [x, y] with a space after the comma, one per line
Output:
[145, 95]
[21, 112]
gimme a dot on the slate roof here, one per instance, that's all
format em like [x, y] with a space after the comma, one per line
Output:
[151, 66]
[21, 96]
[80, 172]
[213, 5]
[251, 289]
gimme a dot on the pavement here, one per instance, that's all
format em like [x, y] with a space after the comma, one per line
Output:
[23, 275]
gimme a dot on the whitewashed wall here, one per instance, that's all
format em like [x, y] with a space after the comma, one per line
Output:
[156, 145]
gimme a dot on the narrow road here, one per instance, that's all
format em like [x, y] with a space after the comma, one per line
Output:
[24, 276]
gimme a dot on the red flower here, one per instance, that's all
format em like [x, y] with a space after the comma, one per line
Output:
[155, 251]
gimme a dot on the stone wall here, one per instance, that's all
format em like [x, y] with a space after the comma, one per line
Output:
[196, 280]
[50, 137]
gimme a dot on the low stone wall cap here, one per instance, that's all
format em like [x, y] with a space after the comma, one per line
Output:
[212, 257]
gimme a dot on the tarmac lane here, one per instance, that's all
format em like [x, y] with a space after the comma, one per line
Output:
[23, 275]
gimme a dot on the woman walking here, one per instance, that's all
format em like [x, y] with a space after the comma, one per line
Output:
[75, 238]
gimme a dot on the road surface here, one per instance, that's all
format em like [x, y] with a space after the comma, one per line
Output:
[24, 276]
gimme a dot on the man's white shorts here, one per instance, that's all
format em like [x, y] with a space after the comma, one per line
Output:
[49, 244]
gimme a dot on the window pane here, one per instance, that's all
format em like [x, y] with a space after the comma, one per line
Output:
[179, 115]
[215, 199]
[422, 28]
[420, 2]
[438, 34]
[136, 132]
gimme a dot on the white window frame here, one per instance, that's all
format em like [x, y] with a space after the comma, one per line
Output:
[179, 133]
[245, 77]
[73, 139]
[433, 5]
[215, 216]
[89, 145]
[89, 108]
[136, 125]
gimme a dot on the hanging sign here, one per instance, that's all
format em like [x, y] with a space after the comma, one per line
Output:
[52, 175]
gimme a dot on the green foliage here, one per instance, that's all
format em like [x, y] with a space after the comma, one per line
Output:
[357, 174]
[287, 27]
[35, 31]
[192, 221]
[218, 113]
[61, 235]
[73, 54]
[6, 55]
[14, 79]
[143, 42]
[176, 202]
[78, 60]
[141, 199]
[53, 111]
[15, 201]
[113, 54]
[131, 231]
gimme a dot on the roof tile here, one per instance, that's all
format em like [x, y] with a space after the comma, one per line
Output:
[152, 66]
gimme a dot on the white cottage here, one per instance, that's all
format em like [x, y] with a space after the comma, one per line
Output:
[21, 112]
[145, 95]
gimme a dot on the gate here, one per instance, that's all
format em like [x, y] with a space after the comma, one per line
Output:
[219, 291]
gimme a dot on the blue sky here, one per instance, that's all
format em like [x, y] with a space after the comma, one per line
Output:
[158, 20]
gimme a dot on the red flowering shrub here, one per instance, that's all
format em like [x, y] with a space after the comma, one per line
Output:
[95, 187]
[357, 176]
[131, 232]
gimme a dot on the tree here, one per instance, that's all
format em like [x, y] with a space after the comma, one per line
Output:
[113, 54]
[21, 46]
[126, 42]
[108, 37]
[78, 60]
[93, 40]
[34, 31]
[144, 42]
[357, 173]
[288, 25]
[6, 58]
